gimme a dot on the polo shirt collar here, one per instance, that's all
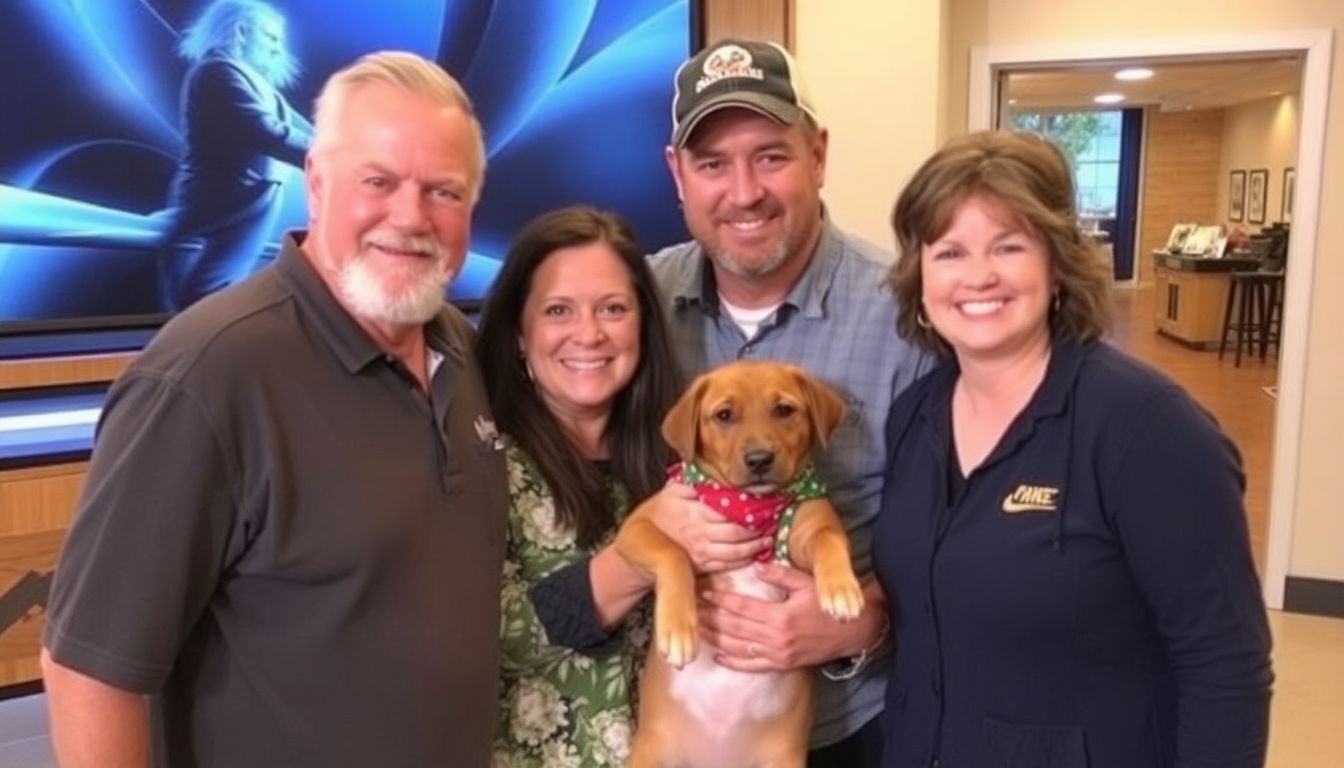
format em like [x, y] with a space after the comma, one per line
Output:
[1050, 399]
[808, 294]
[1052, 396]
[335, 324]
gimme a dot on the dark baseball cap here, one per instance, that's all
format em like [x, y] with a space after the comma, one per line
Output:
[751, 74]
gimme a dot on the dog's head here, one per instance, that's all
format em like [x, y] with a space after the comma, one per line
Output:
[753, 424]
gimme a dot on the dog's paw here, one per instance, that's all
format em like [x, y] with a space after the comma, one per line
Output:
[840, 596]
[678, 635]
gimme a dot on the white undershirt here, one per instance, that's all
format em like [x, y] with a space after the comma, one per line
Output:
[749, 320]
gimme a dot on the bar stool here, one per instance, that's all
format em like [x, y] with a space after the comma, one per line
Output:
[1271, 321]
[1255, 296]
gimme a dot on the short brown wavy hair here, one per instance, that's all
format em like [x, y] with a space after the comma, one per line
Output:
[1030, 178]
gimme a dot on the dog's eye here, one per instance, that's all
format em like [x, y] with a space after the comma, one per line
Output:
[784, 410]
[723, 415]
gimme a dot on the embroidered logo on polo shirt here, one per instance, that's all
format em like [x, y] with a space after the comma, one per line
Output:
[1031, 498]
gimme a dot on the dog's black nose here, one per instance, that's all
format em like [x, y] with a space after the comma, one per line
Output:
[759, 461]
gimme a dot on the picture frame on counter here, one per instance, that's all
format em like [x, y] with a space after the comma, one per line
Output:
[1236, 196]
[1257, 186]
[1201, 240]
[1219, 249]
[1179, 232]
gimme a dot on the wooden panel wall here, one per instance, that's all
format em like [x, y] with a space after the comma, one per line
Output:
[756, 19]
[35, 508]
[1180, 177]
[36, 505]
[56, 371]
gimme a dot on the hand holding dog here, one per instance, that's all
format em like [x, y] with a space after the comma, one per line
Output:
[755, 635]
[713, 543]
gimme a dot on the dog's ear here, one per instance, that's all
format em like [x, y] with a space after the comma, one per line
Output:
[824, 405]
[680, 426]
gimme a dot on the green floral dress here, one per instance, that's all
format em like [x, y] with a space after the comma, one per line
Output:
[557, 707]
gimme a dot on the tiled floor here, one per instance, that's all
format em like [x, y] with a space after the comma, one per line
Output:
[1307, 728]
[1307, 718]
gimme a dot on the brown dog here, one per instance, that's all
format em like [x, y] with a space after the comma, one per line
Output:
[751, 426]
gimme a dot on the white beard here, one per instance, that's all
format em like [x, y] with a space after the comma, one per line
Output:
[415, 304]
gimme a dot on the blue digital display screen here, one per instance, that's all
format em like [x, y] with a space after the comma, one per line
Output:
[573, 96]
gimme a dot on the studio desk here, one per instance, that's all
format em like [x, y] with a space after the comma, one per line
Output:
[48, 409]
[1191, 294]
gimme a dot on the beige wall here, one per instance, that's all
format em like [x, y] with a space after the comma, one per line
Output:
[874, 70]
[1180, 176]
[883, 130]
[1260, 134]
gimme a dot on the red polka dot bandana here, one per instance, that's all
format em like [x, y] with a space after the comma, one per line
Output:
[766, 513]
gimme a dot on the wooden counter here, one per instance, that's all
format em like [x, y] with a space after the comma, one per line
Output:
[1191, 295]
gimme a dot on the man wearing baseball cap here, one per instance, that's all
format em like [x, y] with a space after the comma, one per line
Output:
[769, 276]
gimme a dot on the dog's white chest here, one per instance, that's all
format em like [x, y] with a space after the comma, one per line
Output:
[720, 698]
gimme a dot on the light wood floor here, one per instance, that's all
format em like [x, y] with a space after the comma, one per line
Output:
[1308, 706]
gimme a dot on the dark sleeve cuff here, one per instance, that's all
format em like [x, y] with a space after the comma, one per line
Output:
[563, 602]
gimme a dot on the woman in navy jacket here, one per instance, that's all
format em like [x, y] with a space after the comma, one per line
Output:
[1062, 530]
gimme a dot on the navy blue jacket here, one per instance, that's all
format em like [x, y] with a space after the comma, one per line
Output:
[1090, 599]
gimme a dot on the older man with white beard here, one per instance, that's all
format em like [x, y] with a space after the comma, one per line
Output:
[288, 547]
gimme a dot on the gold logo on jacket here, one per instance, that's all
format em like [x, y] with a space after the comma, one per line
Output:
[1031, 498]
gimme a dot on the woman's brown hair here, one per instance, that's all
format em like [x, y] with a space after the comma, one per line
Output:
[1030, 179]
[639, 456]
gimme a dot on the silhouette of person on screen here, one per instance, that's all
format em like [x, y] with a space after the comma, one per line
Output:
[225, 194]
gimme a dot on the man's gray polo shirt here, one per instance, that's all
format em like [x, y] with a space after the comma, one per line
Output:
[288, 542]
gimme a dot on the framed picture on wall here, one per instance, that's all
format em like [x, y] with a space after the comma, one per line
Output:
[1286, 202]
[1256, 188]
[1236, 196]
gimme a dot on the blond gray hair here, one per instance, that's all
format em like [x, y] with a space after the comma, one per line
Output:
[408, 71]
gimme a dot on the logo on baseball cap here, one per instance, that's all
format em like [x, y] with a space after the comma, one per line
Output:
[750, 74]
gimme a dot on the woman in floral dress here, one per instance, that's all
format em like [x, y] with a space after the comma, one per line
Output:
[578, 365]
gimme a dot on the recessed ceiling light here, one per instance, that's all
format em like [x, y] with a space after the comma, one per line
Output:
[1012, 101]
[1109, 98]
[1134, 73]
